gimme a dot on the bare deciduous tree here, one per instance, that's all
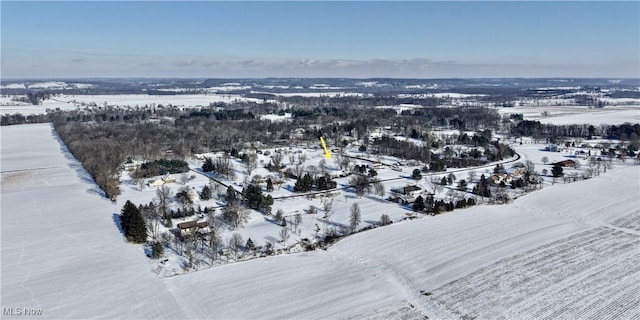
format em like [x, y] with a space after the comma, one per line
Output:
[164, 194]
[302, 157]
[313, 171]
[276, 160]
[356, 217]
[385, 219]
[322, 166]
[235, 216]
[326, 203]
[298, 170]
[379, 189]
[472, 176]
[292, 158]
[235, 244]
[284, 235]
[529, 166]
[184, 178]
[297, 220]
[250, 162]
[140, 182]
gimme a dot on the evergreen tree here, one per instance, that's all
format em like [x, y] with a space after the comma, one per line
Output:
[279, 216]
[232, 197]
[321, 183]
[556, 170]
[157, 249]
[205, 194]
[133, 223]
[462, 185]
[253, 196]
[250, 245]
[416, 175]
[482, 188]
[269, 185]
[304, 184]
[208, 165]
[418, 205]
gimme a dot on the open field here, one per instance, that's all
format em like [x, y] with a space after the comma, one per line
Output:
[61, 251]
[72, 102]
[593, 274]
[561, 115]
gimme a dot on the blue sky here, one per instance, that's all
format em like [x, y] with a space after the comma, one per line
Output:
[320, 39]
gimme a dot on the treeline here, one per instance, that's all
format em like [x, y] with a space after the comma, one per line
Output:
[402, 149]
[349, 101]
[99, 153]
[161, 167]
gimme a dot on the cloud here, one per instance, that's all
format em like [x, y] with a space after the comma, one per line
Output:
[183, 63]
[75, 64]
[417, 67]
[209, 64]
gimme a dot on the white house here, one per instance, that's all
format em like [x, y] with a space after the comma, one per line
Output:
[162, 181]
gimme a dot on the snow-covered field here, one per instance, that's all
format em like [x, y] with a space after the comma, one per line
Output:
[69, 102]
[569, 250]
[561, 115]
[61, 250]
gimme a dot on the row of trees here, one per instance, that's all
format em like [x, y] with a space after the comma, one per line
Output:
[306, 183]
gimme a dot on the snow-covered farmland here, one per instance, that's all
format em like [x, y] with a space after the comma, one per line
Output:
[561, 115]
[46, 85]
[62, 252]
[67, 102]
[593, 274]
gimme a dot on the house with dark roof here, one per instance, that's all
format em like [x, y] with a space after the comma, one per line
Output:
[191, 227]
[565, 163]
[406, 194]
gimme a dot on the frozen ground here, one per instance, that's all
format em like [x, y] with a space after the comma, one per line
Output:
[61, 251]
[70, 102]
[569, 250]
[561, 115]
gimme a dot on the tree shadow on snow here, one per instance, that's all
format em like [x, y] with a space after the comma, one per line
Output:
[272, 221]
[332, 223]
[373, 223]
[116, 221]
[271, 239]
[75, 164]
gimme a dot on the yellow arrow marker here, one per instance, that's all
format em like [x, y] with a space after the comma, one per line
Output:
[327, 153]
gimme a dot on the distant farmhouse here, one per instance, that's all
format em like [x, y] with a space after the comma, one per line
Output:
[565, 163]
[162, 181]
[407, 194]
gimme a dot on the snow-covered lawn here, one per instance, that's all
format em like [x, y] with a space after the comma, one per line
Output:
[567, 250]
